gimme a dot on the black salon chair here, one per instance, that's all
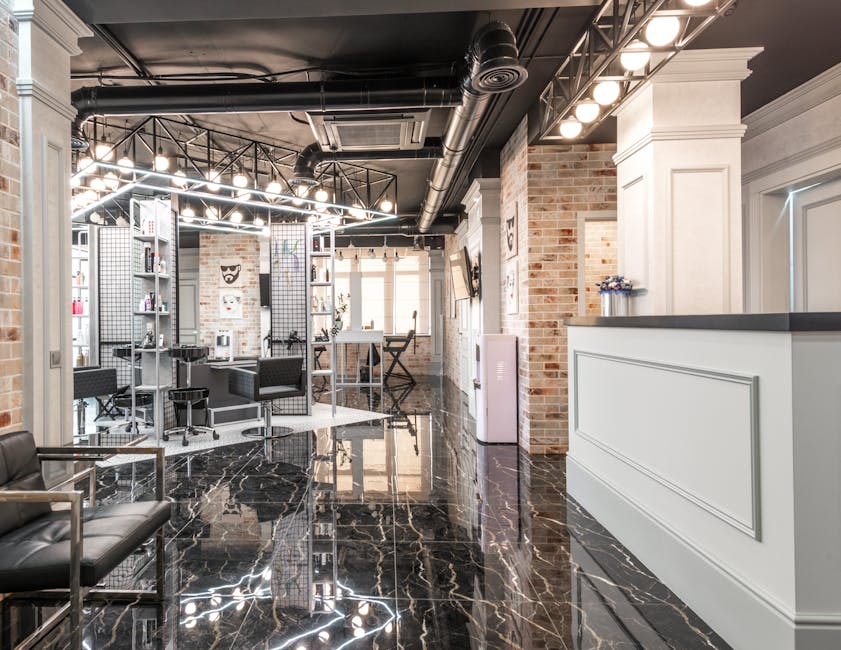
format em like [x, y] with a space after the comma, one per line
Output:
[272, 378]
[396, 346]
[188, 397]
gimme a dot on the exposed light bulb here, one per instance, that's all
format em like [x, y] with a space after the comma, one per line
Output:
[212, 177]
[211, 213]
[244, 195]
[297, 201]
[181, 181]
[190, 608]
[320, 207]
[190, 623]
[312, 218]
[213, 616]
[98, 184]
[696, 3]
[240, 180]
[340, 256]
[389, 627]
[606, 92]
[359, 632]
[321, 195]
[112, 181]
[103, 151]
[356, 621]
[236, 216]
[371, 253]
[240, 606]
[274, 187]
[364, 608]
[587, 111]
[96, 217]
[188, 214]
[84, 164]
[161, 162]
[386, 205]
[266, 232]
[302, 191]
[571, 128]
[356, 211]
[633, 61]
[89, 196]
[258, 221]
[662, 30]
[324, 636]
[125, 162]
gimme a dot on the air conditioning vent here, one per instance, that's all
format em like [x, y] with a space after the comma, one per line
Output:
[369, 131]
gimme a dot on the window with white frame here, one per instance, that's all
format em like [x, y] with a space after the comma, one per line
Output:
[411, 281]
[374, 292]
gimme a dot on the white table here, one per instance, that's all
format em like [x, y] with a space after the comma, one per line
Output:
[371, 338]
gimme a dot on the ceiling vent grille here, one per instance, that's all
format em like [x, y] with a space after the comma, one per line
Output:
[369, 131]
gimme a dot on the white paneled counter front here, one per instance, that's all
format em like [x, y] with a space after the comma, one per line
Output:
[711, 447]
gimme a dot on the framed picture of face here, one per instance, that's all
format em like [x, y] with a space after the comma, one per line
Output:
[510, 232]
[230, 273]
[230, 304]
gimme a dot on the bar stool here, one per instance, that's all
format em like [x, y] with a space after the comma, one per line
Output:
[188, 396]
[143, 401]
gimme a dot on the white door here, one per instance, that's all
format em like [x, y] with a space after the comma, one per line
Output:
[188, 311]
[817, 248]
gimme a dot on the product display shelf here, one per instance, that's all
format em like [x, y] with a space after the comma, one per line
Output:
[151, 287]
[321, 292]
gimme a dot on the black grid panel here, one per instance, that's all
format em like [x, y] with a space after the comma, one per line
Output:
[288, 258]
[115, 298]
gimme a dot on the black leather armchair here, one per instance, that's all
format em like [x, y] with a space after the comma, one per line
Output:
[272, 378]
[69, 550]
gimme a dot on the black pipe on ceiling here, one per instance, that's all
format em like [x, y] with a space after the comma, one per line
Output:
[313, 155]
[307, 96]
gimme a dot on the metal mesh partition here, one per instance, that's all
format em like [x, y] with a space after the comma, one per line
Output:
[289, 303]
[115, 298]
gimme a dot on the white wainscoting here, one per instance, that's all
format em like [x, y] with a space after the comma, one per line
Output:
[692, 430]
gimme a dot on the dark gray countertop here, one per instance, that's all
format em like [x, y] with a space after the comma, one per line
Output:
[785, 322]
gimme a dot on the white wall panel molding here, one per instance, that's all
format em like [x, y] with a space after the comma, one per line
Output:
[814, 92]
[796, 159]
[56, 20]
[694, 405]
[667, 134]
[36, 90]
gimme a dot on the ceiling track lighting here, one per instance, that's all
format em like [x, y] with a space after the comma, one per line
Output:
[612, 59]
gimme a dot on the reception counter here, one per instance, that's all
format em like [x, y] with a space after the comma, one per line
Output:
[711, 447]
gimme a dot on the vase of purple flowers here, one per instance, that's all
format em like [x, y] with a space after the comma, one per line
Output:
[615, 291]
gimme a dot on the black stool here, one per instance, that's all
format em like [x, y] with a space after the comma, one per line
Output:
[188, 396]
[141, 401]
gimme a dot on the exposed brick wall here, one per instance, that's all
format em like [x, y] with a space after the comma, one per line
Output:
[551, 185]
[212, 249]
[11, 316]
[599, 260]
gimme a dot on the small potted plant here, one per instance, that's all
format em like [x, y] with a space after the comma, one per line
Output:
[341, 308]
[615, 291]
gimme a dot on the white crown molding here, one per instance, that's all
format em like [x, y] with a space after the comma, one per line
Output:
[794, 159]
[702, 132]
[56, 19]
[721, 64]
[37, 90]
[814, 92]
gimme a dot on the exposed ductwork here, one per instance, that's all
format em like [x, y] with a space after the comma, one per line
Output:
[315, 96]
[313, 155]
[494, 67]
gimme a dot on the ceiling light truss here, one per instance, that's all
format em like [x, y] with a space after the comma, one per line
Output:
[213, 163]
[618, 27]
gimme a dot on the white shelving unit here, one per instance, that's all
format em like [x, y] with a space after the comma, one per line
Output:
[83, 298]
[322, 290]
[152, 228]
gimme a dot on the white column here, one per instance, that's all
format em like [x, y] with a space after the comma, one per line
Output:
[436, 311]
[483, 223]
[679, 185]
[49, 33]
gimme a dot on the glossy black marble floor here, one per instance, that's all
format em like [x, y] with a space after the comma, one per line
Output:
[404, 533]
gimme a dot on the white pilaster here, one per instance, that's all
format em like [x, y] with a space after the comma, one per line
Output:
[483, 223]
[49, 33]
[679, 185]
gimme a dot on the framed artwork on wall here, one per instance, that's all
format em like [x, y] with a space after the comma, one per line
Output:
[510, 233]
[512, 298]
[230, 273]
[230, 304]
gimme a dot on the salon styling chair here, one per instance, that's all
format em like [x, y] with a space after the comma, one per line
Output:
[272, 378]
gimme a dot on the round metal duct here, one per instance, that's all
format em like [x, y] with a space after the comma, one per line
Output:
[496, 65]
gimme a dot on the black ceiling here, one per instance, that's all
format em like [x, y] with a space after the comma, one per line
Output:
[293, 41]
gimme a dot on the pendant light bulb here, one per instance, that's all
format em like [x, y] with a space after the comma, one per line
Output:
[84, 165]
[112, 181]
[181, 181]
[211, 213]
[321, 195]
[266, 231]
[240, 180]
[188, 214]
[97, 184]
[356, 211]
[125, 162]
[258, 221]
[662, 30]
[571, 128]
[212, 177]
[386, 205]
[587, 111]
[606, 92]
[244, 195]
[634, 61]
[161, 162]
[103, 151]
[236, 216]
[274, 187]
